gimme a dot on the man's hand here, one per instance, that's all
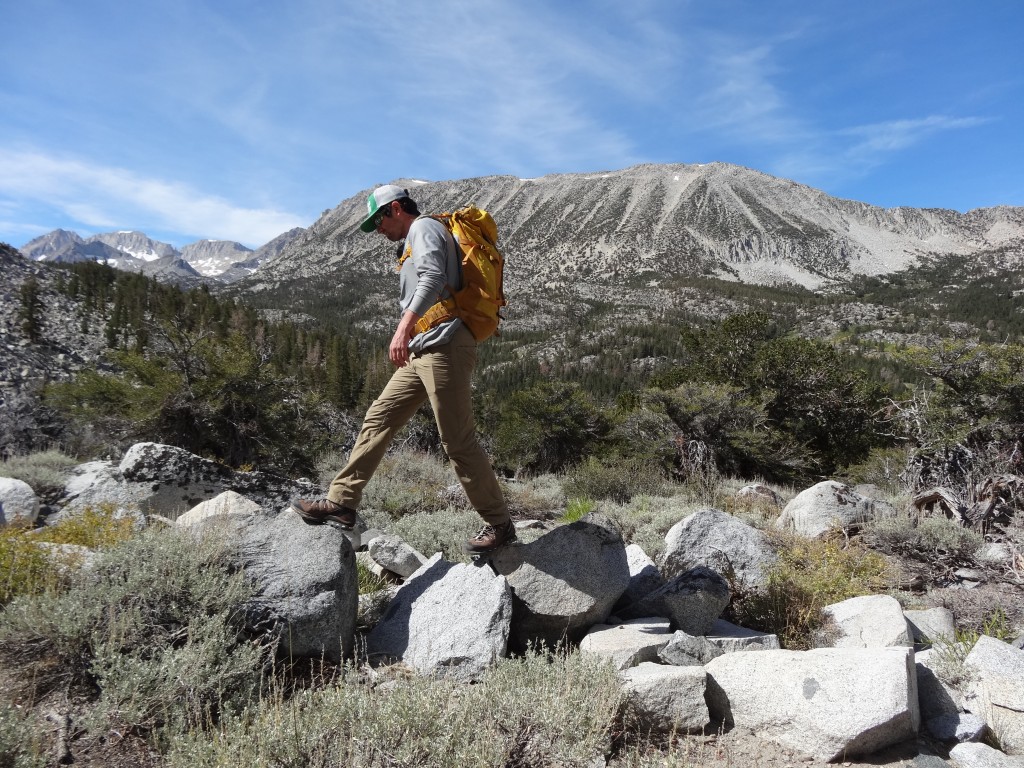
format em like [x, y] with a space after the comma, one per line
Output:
[398, 351]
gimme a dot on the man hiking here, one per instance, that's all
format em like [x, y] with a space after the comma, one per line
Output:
[435, 365]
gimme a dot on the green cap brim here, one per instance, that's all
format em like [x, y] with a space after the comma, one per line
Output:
[367, 225]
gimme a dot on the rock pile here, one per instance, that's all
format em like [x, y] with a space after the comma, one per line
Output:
[682, 667]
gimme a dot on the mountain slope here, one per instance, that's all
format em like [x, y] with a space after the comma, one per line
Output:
[663, 221]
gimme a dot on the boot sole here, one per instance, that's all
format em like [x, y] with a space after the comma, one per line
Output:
[476, 552]
[319, 520]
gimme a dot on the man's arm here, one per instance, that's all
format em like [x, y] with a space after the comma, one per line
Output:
[398, 351]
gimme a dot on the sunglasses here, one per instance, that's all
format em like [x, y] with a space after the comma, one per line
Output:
[378, 217]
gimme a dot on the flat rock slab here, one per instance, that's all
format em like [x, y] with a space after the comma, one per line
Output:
[827, 703]
[628, 644]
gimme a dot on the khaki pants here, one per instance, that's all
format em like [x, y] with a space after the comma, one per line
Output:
[441, 374]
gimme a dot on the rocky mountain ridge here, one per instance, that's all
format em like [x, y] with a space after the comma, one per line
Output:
[651, 222]
[133, 251]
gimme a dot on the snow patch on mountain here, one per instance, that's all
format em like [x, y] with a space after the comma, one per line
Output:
[135, 244]
[211, 258]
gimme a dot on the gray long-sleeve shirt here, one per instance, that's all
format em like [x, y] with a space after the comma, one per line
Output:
[426, 275]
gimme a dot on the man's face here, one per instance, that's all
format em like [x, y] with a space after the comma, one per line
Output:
[389, 225]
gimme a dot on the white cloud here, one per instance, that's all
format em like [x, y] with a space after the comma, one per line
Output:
[855, 151]
[878, 139]
[740, 95]
[103, 197]
[502, 87]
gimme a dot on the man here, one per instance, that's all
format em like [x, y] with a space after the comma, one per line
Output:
[435, 364]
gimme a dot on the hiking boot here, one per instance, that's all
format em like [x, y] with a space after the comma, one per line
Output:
[323, 511]
[490, 537]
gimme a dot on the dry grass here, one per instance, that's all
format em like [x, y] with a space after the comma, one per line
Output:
[810, 574]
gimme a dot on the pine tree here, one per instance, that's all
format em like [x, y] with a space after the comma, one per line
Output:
[31, 310]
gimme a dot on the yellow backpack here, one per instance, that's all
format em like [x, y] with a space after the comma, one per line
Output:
[482, 295]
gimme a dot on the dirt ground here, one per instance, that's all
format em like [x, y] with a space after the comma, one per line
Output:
[741, 749]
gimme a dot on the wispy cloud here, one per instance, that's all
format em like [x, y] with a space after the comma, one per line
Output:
[101, 197]
[517, 88]
[855, 151]
[739, 94]
[874, 141]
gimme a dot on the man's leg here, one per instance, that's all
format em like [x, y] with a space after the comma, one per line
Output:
[402, 395]
[447, 373]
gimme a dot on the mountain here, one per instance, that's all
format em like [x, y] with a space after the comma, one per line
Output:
[46, 246]
[132, 251]
[157, 260]
[247, 267]
[650, 223]
[210, 258]
[136, 244]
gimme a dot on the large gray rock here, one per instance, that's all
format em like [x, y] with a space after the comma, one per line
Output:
[827, 703]
[447, 619]
[564, 582]
[693, 600]
[930, 625]
[721, 542]
[305, 578]
[869, 621]
[663, 698]
[626, 645]
[829, 506]
[978, 755]
[18, 502]
[995, 690]
[393, 554]
[165, 480]
[227, 503]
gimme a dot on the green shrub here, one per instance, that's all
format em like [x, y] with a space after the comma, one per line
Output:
[407, 483]
[214, 396]
[28, 567]
[532, 496]
[548, 427]
[576, 509]
[45, 471]
[25, 567]
[368, 582]
[950, 653]
[20, 745]
[99, 527]
[809, 575]
[931, 539]
[617, 480]
[442, 531]
[645, 520]
[883, 467]
[153, 632]
[528, 711]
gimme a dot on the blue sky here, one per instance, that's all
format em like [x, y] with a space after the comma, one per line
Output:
[191, 119]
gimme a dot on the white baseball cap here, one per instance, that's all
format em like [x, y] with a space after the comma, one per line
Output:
[380, 197]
